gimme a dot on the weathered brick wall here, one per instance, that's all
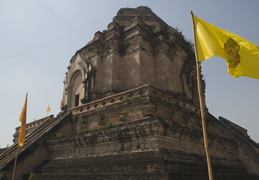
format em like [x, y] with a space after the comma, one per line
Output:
[27, 162]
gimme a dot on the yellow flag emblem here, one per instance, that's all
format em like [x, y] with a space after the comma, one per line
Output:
[231, 49]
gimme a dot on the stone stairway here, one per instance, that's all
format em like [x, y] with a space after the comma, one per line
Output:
[40, 133]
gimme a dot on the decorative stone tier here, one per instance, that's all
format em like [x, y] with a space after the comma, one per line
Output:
[139, 136]
[149, 165]
[146, 90]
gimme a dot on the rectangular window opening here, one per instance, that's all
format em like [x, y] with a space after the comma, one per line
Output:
[76, 100]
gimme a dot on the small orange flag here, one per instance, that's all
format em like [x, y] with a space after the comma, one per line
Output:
[23, 125]
[48, 109]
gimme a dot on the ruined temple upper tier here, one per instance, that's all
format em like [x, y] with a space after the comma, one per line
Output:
[136, 49]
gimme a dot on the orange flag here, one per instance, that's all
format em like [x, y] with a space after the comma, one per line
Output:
[23, 125]
[48, 109]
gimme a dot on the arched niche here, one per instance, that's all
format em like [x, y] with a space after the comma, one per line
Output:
[76, 90]
[79, 82]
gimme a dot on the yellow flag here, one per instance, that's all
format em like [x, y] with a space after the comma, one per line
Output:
[242, 56]
[48, 109]
[23, 125]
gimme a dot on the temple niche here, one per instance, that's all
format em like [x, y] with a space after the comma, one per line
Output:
[78, 83]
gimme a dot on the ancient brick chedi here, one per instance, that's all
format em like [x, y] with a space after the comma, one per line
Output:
[130, 110]
[138, 48]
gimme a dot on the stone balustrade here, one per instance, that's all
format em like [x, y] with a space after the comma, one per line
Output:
[146, 90]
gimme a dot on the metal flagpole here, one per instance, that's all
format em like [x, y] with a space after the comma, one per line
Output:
[202, 104]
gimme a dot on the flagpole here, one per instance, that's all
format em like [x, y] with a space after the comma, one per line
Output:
[15, 161]
[202, 105]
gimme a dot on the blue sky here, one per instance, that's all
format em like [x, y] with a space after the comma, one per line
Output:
[38, 39]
